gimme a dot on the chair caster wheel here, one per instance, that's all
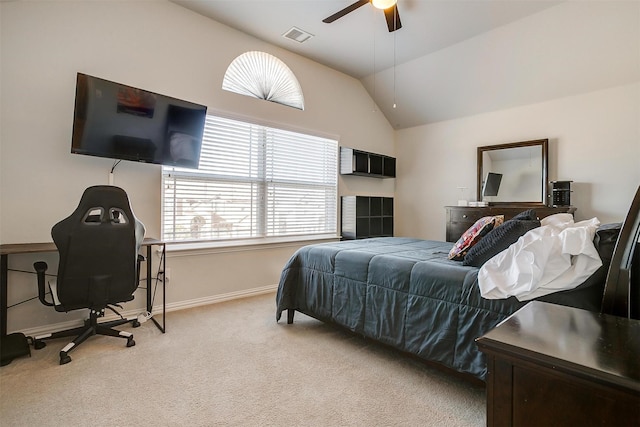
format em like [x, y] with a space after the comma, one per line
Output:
[64, 358]
[38, 345]
[135, 323]
[130, 342]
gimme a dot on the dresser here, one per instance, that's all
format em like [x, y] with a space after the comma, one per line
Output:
[549, 364]
[460, 218]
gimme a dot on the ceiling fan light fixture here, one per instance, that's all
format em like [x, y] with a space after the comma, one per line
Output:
[383, 4]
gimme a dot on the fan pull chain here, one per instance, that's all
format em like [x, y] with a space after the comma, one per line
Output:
[394, 60]
[374, 62]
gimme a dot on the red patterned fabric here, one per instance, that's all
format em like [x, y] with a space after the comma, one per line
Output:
[473, 236]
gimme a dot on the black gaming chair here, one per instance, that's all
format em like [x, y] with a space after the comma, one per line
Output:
[99, 264]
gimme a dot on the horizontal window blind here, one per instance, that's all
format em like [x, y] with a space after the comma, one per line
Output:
[253, 182]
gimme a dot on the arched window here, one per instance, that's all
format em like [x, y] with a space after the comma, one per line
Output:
[263, 76]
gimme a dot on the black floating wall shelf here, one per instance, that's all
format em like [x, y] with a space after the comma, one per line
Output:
[362, 163]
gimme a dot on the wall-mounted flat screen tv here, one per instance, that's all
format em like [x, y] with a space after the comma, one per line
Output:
[123, 122]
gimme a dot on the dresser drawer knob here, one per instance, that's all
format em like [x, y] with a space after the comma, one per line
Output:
[464, 216]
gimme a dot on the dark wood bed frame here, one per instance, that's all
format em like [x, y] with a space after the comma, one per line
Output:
[622, 288]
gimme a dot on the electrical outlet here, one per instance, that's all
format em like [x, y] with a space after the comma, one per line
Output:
[164, 274]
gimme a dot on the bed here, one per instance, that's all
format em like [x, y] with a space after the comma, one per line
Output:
[408, 294]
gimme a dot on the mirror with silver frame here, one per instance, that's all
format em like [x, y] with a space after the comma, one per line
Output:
[523, 170]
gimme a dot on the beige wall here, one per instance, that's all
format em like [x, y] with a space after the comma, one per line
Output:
[161, 47]
[594, 141]
[158, 46]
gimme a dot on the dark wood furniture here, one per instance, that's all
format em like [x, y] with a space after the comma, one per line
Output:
[460, 218]
[555, 365]
[366, 216]
[622, 288]
[363, 163]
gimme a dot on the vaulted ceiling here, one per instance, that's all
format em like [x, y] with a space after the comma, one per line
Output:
[454, 58]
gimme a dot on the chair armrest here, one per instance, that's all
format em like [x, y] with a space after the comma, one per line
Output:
[41, 268]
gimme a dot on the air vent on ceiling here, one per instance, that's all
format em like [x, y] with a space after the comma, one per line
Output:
[297, 35]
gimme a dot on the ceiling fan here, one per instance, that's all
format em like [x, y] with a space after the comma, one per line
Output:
[390, 8]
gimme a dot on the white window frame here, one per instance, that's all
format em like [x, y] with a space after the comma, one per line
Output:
[276, 182]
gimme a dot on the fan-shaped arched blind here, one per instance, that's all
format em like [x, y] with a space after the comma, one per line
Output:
[263, 76]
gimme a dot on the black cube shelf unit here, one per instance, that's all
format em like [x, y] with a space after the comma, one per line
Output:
[356, 162]
[366, 216]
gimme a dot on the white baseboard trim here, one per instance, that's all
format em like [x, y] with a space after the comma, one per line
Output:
[182, 305]
[157, 309]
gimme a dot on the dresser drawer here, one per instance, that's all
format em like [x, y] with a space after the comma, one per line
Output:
[456, 229]
[460, 218]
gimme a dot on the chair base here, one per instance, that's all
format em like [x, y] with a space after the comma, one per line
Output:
[91, 327]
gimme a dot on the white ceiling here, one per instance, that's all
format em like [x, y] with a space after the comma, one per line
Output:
[392, 66]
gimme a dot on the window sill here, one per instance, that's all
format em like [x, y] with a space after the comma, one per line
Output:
[198, 248]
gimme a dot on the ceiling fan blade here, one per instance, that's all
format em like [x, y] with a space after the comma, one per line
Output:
[393, 18]
[344, 11]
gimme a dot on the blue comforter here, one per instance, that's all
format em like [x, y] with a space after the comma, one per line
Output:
[400, 291]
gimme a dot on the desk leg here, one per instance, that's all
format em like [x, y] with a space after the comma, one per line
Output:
[164, 287]
[149, 290]
[149, 279]
[3, 294]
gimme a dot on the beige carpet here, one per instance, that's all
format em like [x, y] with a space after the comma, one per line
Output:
[232, 364]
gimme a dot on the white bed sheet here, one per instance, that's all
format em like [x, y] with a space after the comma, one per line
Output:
[558, 255]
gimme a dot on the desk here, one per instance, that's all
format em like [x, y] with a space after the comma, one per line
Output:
[27, 248]
[554, 365]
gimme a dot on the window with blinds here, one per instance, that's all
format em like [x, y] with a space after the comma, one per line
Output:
[253, 182]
